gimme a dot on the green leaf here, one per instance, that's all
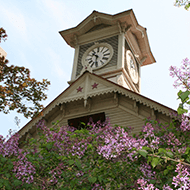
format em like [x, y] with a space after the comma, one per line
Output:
[89, 146]
[155, 162]
[170, 167]
[161, 150]
[78, 164]
[181, 110]
[187, 150]
[145, 148]
[64, 158]
[100, 179]
[187, 6]
[7, 185]
[152, 181]
[143, 152]
[49, 146]
[179, 93]
[166, 172]
[170, 154]
[149, 159]
[8, 175]
[101, 161]
[71, 162]
[17, 182]
[92, 179]
[3, 159]
[82, 123]
[184, 96]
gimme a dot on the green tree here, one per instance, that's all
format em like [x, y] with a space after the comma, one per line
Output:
[182, 3]
[18, 91]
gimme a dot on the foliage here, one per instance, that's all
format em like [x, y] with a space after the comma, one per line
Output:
[183, 3]
[183, 81]
[99, 156]
[3, 35]
[17, 90]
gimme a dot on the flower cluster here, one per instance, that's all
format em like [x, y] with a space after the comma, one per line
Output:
[182, 74]
[22, 168]
[101, 156]
[147, 172]
[151, 140]
[182, 180]
[145, 186]
[185, 123]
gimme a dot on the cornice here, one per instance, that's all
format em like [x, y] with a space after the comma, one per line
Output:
[110, 87]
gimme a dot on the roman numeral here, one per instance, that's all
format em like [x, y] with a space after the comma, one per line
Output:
[90, 61]
[106, 54]
[98, 49]
[102, 49]
[92, 64]
[105, 58]
[105, 51]
[102, 62]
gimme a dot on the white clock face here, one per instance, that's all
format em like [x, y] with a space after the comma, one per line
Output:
[132, 66]
[98, 55]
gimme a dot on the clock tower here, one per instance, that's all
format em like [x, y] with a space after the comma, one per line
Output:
[105, 82]
[112, 46]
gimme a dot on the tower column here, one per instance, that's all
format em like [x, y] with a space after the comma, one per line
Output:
[121, 51]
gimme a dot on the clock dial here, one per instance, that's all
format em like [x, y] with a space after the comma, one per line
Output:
[98, 56]
[132, 66]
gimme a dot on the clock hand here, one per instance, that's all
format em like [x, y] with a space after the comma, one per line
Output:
[96, 62]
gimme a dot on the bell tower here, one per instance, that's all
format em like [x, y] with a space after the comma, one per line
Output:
[112, 46]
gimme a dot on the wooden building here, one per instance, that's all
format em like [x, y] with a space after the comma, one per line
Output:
[105, 82]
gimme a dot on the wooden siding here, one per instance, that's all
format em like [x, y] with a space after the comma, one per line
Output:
[123, 118]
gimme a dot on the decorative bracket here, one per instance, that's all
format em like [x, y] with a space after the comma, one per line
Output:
[28, 136]
[136, 107]
[153, 114]
[119, 26]
[142, 33]
[46, 120]
[128, 28]
[75, 39]
[94, 18]
[116, 99]
[86, 91]
[143, 59]
[62, 108]
[88, 104]
[122, 27]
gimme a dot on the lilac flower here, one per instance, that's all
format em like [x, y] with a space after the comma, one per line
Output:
[182, 180]
[145, 186]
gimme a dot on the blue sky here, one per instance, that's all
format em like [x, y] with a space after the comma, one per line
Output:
[34, 42]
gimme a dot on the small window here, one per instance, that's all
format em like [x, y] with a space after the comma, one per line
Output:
[78, 122]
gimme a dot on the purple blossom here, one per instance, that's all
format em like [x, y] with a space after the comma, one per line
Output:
[182, 180]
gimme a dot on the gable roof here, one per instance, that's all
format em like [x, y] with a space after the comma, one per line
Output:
[90, 85]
